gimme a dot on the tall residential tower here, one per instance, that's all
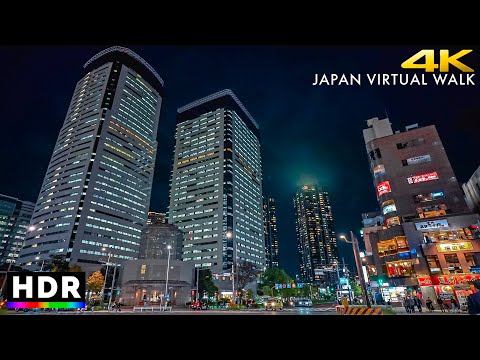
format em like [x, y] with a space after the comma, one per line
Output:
[95, 196]
[216, 191]
[317, 243]
[271, 233]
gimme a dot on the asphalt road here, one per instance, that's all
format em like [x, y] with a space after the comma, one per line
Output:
[295, 311]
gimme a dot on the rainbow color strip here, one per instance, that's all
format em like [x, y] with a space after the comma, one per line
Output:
[45, 305]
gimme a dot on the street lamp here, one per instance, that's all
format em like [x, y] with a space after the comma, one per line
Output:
[17, 249]
[106, 273]
[356, 255]
[112, 286]
[169, 247]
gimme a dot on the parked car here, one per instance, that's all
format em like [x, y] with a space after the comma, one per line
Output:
[274, 304]
[303, 303]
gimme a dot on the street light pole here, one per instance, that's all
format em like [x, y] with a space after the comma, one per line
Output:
[356, 255]
[113, 284]
[166, 281]
[106, 273]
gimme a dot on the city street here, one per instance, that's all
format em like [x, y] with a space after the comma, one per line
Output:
[290, 311]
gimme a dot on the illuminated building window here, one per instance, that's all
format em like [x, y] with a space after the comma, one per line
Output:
[434, 264]
[470, 258]
[143, 269]
[392, 221]
[453, 265]
[400, 268]
[436, 236]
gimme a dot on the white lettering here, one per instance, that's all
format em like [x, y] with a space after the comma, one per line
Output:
[70, 284]
[27, 287]
[42, 280]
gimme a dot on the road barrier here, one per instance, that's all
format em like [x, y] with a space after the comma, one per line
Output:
[363, 311]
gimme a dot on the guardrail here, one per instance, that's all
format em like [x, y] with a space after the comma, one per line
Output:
[152, 308]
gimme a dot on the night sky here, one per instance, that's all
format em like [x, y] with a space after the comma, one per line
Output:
[308, 133]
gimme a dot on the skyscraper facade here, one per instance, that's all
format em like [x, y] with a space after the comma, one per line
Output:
[317, 243]
[96, 192]
[271, 233]
[157, 235]
[216, 191]
[15, 218]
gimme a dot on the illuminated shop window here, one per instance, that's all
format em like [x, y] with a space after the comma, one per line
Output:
[436, 236]
[400, 268]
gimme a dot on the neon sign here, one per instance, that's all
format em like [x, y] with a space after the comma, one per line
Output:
[383, 188]
[422, 178]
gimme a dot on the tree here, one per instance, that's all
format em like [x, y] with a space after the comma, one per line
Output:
[273, 276]
[95, 282]
[246, 273]
[357, 290]
[205, 283]
[57, 263]
[249, 294]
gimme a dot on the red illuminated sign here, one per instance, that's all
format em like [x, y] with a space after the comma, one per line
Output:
[383, 188]
[422, 178]
[454, 279]
[424, 280]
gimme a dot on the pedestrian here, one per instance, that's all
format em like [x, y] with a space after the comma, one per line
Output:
[406, 304]
[429, 304]
[418, 303]
[411, 304]
[473, 300]
[440, 304]
[455, 305]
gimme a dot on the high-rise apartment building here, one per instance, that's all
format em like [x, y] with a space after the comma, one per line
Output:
[157, 235]
[472, 191]
[271, 232]
[429, 238]
[15, 218]
[216, 191]
[317, 243]
[96, 192]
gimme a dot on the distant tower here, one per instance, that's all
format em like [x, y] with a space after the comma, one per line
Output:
[271, 233]
[95, 196]
[317, 243]
[157, 235]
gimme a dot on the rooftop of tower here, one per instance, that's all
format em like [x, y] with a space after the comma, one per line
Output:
[224, 98]
[129, 58]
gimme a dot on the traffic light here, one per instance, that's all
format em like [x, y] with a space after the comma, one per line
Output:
[380, 281]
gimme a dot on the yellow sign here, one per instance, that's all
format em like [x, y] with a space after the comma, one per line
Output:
[444, 64]
[460, 246]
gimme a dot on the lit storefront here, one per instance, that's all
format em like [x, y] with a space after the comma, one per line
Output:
[446, 286]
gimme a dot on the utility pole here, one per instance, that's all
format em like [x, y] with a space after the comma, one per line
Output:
[356, 253]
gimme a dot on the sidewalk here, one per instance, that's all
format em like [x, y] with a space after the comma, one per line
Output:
[402, 311]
